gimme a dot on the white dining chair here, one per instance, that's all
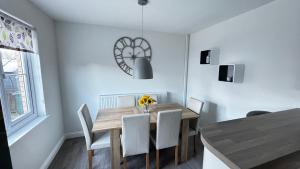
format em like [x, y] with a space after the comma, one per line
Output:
[167, 132]
[196, 106]
[126, 101]
[135, 136]
[93, 142]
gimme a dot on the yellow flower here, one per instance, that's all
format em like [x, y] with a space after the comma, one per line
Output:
[146, 96]
[141, 102]
[146, 100]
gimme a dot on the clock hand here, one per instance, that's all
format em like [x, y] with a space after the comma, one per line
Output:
[132, 55]
[138, 54]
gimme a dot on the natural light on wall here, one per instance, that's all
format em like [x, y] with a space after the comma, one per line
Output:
[21, 90]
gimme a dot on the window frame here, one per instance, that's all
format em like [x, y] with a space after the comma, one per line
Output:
[13, 126]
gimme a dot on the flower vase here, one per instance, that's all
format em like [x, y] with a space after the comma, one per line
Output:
[146, 108]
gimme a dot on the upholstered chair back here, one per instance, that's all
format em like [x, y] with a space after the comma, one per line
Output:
[135, 134]
[86, 123]
[196, 106]
[168, 126]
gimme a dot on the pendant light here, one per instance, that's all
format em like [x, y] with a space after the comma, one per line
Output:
[142, 67]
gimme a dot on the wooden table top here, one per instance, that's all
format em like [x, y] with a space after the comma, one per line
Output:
[291, 161]
[111, 118]
[250, 142]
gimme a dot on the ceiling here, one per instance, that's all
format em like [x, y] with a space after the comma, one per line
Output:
[173, 16]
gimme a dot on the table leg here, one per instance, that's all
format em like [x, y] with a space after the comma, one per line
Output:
[184, 140]
[115, 148]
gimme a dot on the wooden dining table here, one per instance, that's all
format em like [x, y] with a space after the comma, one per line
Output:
[111, 120]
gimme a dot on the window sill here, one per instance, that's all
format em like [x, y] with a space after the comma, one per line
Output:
[15, 137]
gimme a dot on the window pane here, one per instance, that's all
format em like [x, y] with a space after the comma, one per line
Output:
[12, 62]
[16, 94]
[15, 84]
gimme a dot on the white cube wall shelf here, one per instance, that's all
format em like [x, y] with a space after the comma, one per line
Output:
[209, 57]
[233, 73]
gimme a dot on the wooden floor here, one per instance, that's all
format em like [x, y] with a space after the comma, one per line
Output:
[73, 155]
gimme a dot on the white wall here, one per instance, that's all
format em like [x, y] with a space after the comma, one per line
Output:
[33, 149]
[88, 68]
[267, 41]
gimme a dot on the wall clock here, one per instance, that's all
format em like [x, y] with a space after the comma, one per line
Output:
[126, 50]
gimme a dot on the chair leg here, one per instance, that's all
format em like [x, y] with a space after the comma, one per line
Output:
[176, 156]
[90, 158]
[125, 163]
[195, 151]
[147, 161]
[157, 159]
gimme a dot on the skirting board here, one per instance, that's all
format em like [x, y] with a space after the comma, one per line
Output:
[53, 153]
[74, 134]
[55, 150]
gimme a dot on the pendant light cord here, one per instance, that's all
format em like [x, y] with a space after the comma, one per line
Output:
[142, 21]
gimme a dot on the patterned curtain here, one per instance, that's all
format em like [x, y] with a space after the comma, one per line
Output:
[15, 35]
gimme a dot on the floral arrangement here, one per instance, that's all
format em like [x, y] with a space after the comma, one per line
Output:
[145, 101]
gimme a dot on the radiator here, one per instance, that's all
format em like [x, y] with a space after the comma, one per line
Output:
[107, 101]
[110, 100]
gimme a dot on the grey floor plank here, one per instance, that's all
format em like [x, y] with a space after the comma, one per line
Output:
[73, 155]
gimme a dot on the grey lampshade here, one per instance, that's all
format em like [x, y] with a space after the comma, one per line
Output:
[142, 69]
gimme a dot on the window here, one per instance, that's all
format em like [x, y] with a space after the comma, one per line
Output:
[20, 78]
[17, 88]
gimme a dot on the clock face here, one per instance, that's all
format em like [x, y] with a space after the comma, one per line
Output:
[127, 49]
